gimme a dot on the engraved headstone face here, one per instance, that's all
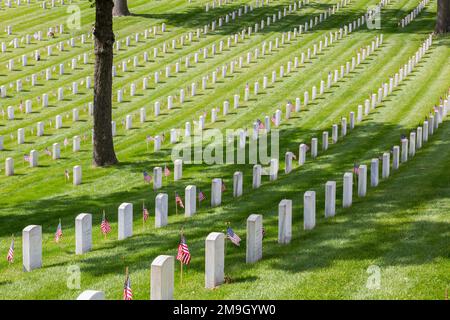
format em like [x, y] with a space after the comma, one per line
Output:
[254, 238]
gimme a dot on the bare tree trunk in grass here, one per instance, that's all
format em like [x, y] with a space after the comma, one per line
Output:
[120, 8]
[103, 149]
[443, 17]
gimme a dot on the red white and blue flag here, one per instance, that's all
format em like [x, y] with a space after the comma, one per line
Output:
[166, 171]
[147, 177]
[201, 196]
[178, 200]
[183, 251]
[145, 214]
[10, 256]
[234, 238]
[127, 292]
[58, 233]
[105, 226]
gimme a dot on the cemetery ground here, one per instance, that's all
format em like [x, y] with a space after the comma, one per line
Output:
[401, 226]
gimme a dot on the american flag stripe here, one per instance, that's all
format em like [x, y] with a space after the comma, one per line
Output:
[58, 233]
[104, 226]
[127, 292]
[183, 252]
[234, 238]
[10, 256]
[178, 201]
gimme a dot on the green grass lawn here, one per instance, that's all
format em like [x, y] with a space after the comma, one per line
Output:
[402, 225]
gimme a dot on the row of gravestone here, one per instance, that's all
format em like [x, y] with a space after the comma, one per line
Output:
[400, 154]
[157, 109]
[162, 268]
[60, 94]
[9, 166]
[274, 162]
[413, 14]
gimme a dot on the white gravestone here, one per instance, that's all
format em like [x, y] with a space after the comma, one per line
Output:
[125, 221]
[348, 190]
[330, 199]
[9, 167]
[254, 238]
[257, 170]
[91, 295]
[237, 184]
[178, 169]
[83, 233]
[309, 210]
[190, 201]
[161, 210]
[162, 278]
[216, 192]
[214, 259]
[76, 175]
[374, 165]
[285, 221]
[32, 248]
[362, 180]
[157, 178]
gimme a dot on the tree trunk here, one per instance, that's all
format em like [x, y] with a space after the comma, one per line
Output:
[443, 16]
[103, 150]
[120, 8]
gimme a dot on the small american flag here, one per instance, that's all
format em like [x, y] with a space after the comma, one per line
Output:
[145, 214]
[166, 171]
[201, 196]
[223, 187]
[183, 251]
[66, 174]
[178, 200]
[273, 119]
[48, 152]
[356, 168]
[26, 158]
[10, 256]
[66, 142]
[105, 226]
[233, 236]
[260, 124]
[58, 233]
[149, 138]
[127, 292]
[147, 177]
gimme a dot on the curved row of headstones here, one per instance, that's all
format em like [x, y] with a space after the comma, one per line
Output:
[400, 155]
[174, 133]
[216, 198]
[19, 3]
[413, 14]
[74, 88]
[162, 268]
[213, 25]
[170, 98]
